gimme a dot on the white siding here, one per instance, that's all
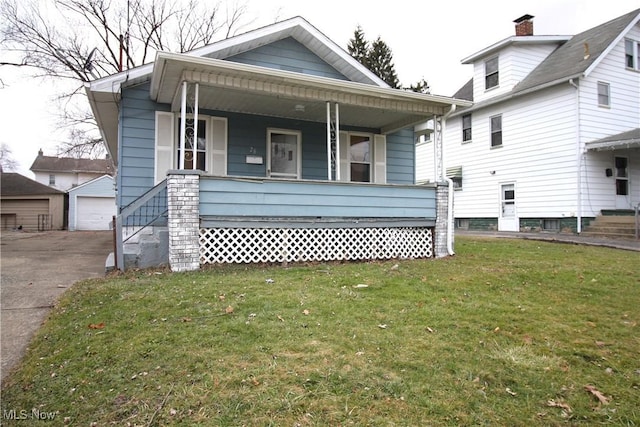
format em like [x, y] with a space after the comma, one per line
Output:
[538, 153]
[515, 63]
[624, 114]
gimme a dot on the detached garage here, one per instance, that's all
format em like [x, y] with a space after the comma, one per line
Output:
[92, 205]
[28, 205]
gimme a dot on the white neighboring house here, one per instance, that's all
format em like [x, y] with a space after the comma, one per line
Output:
[64, 173]
[90, 188]
[92, 205]
[553, 137]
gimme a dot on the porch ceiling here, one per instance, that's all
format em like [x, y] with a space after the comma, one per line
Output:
[229, 86]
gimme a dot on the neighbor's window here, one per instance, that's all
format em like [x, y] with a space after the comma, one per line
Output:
[491, 76]
[632, 54]
[360, 158]
[466, 128]
[603, 95]
[52, 180]
[496, 131]
[200, 153]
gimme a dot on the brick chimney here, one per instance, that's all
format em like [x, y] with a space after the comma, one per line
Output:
[524, 25]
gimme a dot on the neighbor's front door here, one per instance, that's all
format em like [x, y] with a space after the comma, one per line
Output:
[623, 198]
[508, 219]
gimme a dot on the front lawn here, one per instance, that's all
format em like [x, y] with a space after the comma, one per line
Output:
[507, 332]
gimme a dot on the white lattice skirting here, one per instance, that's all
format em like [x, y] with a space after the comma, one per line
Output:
[255, 245]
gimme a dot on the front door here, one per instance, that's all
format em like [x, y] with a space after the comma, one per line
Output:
[508, 219]
[623, 198]
[284, 154]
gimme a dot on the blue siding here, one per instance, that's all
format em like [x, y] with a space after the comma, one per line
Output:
[220, 197]
[289, 55]
[401, 157]
[137, 143]
[247, 134]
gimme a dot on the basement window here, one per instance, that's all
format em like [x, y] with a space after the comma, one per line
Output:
[551, 224]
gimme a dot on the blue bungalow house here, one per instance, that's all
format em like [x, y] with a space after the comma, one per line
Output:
[271, 146]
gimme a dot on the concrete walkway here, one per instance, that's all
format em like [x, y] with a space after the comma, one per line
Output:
[625, 244]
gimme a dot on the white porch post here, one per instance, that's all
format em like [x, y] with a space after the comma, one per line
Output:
[183, 124]
[195, 128]
[328, 141]
[337, 142]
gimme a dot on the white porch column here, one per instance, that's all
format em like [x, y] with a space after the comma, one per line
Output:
[337, 142]
[183, 124]
[194, 164]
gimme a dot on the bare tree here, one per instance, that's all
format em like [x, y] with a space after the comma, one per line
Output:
[7, 162]
[82, 40]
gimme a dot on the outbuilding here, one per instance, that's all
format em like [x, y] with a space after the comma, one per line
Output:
[92, 205]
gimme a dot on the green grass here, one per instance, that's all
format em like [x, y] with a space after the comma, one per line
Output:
[507, 332]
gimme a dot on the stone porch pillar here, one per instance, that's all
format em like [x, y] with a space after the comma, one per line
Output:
[442, 210]
[183, 199]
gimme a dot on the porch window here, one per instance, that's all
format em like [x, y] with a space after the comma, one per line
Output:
[604, 99]
[632, 54]
[491, 73]
[466, 128]
[360, 158]
[201, 147]
[496, 131]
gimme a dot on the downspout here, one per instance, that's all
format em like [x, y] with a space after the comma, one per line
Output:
[578, 158]
[450, 250]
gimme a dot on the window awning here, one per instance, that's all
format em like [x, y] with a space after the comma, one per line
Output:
[454, 172]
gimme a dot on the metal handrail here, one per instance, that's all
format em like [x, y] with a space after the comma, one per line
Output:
[150, 208]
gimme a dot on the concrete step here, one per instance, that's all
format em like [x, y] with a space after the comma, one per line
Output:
[615, 220]
[608, 235]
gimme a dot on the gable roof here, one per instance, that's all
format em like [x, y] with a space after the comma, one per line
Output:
[91, 183]
[243, 88]
[104, 93]
[567, 61]
[71, 165]
[306, 34]
[580, 54]
[14, 184]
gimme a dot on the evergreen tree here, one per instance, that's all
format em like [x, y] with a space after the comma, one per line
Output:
[380, 61]
[421, 87]
[358, 47]
[377, 57]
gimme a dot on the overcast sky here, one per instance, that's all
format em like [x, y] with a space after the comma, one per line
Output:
[428, 40]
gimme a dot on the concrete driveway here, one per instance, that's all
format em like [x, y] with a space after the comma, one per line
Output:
[35, 269]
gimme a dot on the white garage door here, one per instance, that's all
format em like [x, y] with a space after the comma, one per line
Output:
[94, 213]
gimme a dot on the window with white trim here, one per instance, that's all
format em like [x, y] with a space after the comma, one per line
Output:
[466, 128]
[360, 157]
[604, 98]
[496, 131]
[491, 73]
[52, 179]
[199, 155]
[632, 54]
